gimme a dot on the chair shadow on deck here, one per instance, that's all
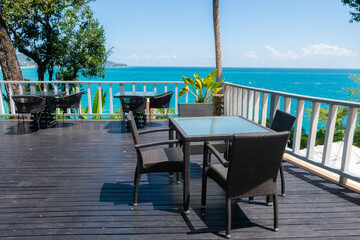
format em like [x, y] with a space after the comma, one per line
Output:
[20, 128]
[119, 127]
[154, 189]
[217, 225]
[322, 183]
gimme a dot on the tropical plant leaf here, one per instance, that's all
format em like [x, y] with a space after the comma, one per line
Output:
[189, 81]
[183, 90]
[216, 84]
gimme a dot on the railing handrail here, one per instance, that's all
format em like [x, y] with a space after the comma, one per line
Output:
[299, 96]
[102, 82]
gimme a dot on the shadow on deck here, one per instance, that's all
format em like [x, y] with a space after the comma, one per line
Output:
[73, 182]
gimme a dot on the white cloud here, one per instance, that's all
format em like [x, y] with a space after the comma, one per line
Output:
[327, 50]
[280, 55]
[134, 57]
[251, 55]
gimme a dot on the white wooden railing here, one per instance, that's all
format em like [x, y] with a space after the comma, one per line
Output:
[259, 104]
[112, 87]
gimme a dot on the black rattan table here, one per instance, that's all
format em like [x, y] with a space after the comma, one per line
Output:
[201, 129]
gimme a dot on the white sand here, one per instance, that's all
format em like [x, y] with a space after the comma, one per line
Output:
[336, 155]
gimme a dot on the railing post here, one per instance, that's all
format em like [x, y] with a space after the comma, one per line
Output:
[176, 98]
[78, 90]
[298, 125]
[2, 107]
[256, 106]
[11, 101]
[226, 100]
[231, 103]
[348, 141]
[264, 108]
[111, 99]
[244, 103]
[89, 98]
[274, 105]
[250, 105]
[67, 92]
[287, 104]
[100, 99]
[329, 136]
[235, 101]
[313, 129]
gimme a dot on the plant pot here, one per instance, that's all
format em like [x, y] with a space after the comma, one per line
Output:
[218, 104]
[195, 109]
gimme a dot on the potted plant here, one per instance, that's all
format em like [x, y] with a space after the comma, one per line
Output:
[203, 89]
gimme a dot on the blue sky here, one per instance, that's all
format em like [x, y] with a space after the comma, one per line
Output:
[262, 33]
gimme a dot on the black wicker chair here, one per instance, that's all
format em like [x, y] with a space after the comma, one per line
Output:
[161, 101]
[137, 105]
[282, 121]
[155, 160]
[69, 101]
[30, 104]
[252, 169]
[188, 110]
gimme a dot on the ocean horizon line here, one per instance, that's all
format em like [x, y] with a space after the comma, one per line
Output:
[202, 67]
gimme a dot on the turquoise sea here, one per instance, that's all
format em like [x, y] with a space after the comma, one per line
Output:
[326, 83]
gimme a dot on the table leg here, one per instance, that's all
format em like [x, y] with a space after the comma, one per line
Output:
[186, 191]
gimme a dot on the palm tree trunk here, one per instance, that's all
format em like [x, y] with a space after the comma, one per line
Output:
[217, 39]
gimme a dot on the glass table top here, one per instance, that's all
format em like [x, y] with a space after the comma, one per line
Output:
[218, 125]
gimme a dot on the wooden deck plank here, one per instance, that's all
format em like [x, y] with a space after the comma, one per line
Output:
[76, 183]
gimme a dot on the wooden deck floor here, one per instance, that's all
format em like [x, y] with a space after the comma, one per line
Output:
[76, 183]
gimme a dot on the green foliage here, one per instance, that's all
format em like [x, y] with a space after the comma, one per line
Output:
[162, 111]
[95, 105]
[355, 14]
[354, 94]
[57, 33]
[202, 88]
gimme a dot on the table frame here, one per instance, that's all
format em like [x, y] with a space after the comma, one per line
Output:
[186, 140]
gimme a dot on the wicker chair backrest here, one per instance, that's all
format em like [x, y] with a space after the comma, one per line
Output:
[254, 163]
[192, 110]
[135, 104]
[29, 104]
[133, 129]
[161, 100]
[69, 101]
[282, 121]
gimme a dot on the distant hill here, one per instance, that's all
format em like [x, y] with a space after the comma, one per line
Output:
[24, 62]
[114, 64]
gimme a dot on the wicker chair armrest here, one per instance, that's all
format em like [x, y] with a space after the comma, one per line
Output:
[155, 130]
[216, 153]
[145, 145]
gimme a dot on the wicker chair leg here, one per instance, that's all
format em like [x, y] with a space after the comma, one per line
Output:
[228, 217]
[282, 180]
[203, 188]
[251, 199]
[136, 186]
[276, 214]
[178, 178]
[269, 200]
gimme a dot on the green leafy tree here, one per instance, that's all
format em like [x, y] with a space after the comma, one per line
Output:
[46, 30]
[86, 53]
[355, 5]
